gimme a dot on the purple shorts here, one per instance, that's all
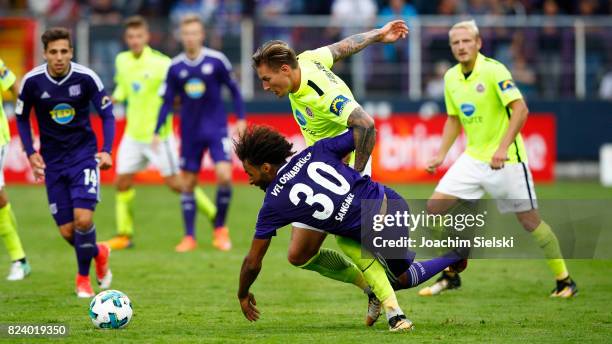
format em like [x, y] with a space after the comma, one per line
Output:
[192, 152]
[75, 186]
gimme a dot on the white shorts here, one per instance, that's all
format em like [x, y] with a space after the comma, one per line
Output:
[511, 186]
[3, 153]
[133, 156]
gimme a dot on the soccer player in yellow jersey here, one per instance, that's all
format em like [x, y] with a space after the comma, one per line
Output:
[8, 225]
[323, 106]
[481, 98]
[140, 72]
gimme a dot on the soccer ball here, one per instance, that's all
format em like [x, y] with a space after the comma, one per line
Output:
[110, 309]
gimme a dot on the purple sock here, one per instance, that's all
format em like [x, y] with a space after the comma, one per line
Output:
[188, 206]
[86, 248]
[420, 272]
[224, 194]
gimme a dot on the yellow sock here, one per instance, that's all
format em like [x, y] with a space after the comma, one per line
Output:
[373, 272]
[334, 265]
[124, 208]
[8, 232]
[204, 204]
[547, 240]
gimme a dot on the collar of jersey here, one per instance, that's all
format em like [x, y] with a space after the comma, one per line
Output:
[145, 53]
[61, 81]
[479, 59]
[197, 60]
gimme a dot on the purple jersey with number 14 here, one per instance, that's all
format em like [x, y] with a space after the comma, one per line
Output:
[316, 190]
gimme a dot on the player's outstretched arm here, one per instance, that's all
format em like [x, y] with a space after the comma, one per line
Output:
[364, 134]
[248, 274]
[391, 32]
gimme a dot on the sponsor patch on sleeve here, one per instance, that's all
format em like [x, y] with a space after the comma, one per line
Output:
[506, 85]
[338, 105]
[19, 107]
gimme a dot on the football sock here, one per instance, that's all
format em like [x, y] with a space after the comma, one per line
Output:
[8, 232]
[86, 249]
[547, 240]
[332, 264]
[420, 272]
[391, 306]
[372, 270]
[124, 208]
[189, 212]
[205, 205]
[224, 194]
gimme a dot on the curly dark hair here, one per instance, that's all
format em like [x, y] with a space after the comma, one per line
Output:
[259, 144]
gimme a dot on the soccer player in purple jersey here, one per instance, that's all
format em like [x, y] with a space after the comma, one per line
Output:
[315, 189]
[197, 76]
[60, 92]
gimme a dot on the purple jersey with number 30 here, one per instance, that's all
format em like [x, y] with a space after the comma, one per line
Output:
[316, 190]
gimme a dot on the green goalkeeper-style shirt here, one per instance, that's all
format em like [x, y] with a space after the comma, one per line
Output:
[7, 79]
[481, 101]
[137, 82]
[323, 103]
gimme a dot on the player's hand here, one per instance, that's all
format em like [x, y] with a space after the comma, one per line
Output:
[241, 126]
[38, 166]
[155, 143]
[499, 158]
[433, 164]
[104, 160]
[393, 30]
[248, 307]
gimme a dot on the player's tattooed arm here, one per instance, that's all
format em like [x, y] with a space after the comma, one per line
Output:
[389, 33]
[353, 44]
[364, 134]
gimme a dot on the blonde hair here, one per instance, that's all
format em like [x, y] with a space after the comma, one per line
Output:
[469, 25]
[191, 18]
[275, 54]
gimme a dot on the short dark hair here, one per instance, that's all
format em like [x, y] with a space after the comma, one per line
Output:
[135, 22]
[275, 54]
[55, 34]
[259, 144]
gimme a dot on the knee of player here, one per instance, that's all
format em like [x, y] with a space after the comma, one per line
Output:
[66, 231]
[83, 222]
[297, 258]
[434, 206]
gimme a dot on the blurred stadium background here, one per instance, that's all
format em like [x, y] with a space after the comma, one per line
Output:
[559, 52]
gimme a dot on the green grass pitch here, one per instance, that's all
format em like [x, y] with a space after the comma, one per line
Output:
[192, 297]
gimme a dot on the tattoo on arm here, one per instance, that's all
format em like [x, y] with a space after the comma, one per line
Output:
[353, 44]
[364, 134]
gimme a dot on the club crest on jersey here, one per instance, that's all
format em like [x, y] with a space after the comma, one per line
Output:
[309, 112]
[183, 74]
[338, 104]
[468, 109]
[480, 88]
[74, 90]
[194, 88]
[506, 85]
[62, 113]
[207, 68]
[299, 117]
